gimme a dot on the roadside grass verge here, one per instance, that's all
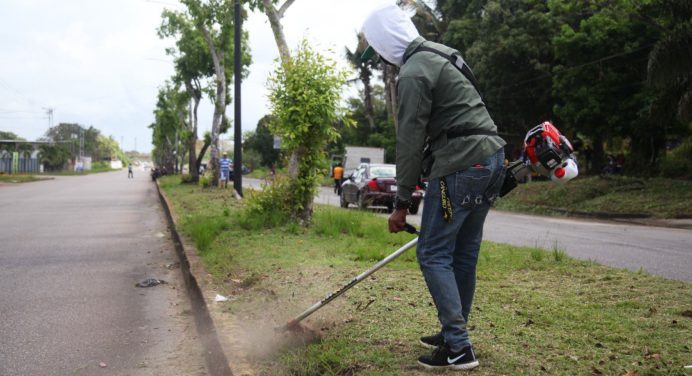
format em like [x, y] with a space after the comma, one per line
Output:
[536, 312]
[20, 178]
[85, 172]
[656, 197]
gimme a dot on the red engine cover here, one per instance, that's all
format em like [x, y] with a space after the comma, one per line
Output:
[545, 133]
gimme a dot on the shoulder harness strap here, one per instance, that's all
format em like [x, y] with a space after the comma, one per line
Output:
[456, 60]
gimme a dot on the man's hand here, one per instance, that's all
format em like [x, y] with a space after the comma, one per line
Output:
[397, 220]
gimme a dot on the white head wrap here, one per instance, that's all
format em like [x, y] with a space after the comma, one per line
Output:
[389, 31]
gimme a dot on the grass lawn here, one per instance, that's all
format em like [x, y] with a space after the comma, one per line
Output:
[657, 197]
[536, 312]
[21, 178]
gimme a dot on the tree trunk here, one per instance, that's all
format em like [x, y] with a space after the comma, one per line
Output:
[274, 17]
[390, 73]
[219, 104]
[367, 98]
[198, 162]
[598, 155]
[195, 93]
[305, 214]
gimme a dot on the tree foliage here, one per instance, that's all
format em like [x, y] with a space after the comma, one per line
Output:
[4, 135]
[616, 73]
[262, 142]
[211, 22]
[305, 94]
[193, 69]
[65, 146]
[169, 126]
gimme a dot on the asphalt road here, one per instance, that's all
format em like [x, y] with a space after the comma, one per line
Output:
[71, 251]
[665, 252]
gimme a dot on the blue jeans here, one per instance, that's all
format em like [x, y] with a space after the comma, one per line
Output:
[448, 251]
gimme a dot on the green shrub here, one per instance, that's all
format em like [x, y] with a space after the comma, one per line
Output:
[678, 162]
[187, 179]
[205, 181]
[100, 166]
[203, 230]
[269, 207]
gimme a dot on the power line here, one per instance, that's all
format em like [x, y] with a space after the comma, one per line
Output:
[23, 118]
[19, 112]
[9, 87]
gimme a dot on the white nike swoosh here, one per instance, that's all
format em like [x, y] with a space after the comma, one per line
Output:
[450, 360]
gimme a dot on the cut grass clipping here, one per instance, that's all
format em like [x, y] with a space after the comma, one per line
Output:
[536, 312]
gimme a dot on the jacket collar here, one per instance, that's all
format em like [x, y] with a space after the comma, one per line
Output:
[412, 47]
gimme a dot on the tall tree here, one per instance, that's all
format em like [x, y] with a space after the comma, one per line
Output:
[275, 15]
[670, 61]
[382, 135]
[364, 69]
[193, 66]
[262, 141]
[508, 45]
[169, 122]
[600, 75]
[214, 20]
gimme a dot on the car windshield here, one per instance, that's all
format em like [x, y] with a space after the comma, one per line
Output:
[383, 171]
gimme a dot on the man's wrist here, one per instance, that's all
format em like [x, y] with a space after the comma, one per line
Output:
[401, 204]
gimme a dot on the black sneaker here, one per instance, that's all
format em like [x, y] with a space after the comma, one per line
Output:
[433, 342]
[442, 358]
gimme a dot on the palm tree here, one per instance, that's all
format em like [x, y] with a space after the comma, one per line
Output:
[429, 23]
[364, 68]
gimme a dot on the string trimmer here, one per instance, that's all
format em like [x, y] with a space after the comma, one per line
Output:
[294, 325]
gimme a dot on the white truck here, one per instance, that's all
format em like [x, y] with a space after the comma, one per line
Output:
[355, 155]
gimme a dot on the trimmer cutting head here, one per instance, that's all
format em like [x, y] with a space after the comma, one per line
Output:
[301, 332]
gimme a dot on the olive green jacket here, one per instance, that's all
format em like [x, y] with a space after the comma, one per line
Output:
[435, 98]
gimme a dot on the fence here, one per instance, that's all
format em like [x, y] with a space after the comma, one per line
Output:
[24, 165]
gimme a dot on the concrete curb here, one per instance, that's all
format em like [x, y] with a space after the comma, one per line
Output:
[214, 355]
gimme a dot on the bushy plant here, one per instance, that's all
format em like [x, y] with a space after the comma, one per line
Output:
[203, 230]
[187, 179]
[205, 181]
[269, 207]
[305, 94]
[678, 162]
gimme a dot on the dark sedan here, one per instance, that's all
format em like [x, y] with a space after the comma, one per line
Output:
[374, 185]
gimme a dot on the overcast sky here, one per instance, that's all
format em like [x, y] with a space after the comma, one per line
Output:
[100, 62]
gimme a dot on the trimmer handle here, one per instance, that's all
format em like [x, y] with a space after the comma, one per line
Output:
[410, 229]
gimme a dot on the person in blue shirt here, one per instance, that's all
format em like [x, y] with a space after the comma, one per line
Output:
[225, 168]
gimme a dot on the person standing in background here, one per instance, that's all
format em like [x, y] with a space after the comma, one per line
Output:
[225, 168]
[338, 175]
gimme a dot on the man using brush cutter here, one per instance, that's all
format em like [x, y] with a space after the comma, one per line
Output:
[446, 134]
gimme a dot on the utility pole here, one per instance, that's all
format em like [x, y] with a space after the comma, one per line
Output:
[49, 112]
[81, 143]
[237, 142]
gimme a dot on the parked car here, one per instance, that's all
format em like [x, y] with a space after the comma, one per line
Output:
[374, 185]
[246, 170]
